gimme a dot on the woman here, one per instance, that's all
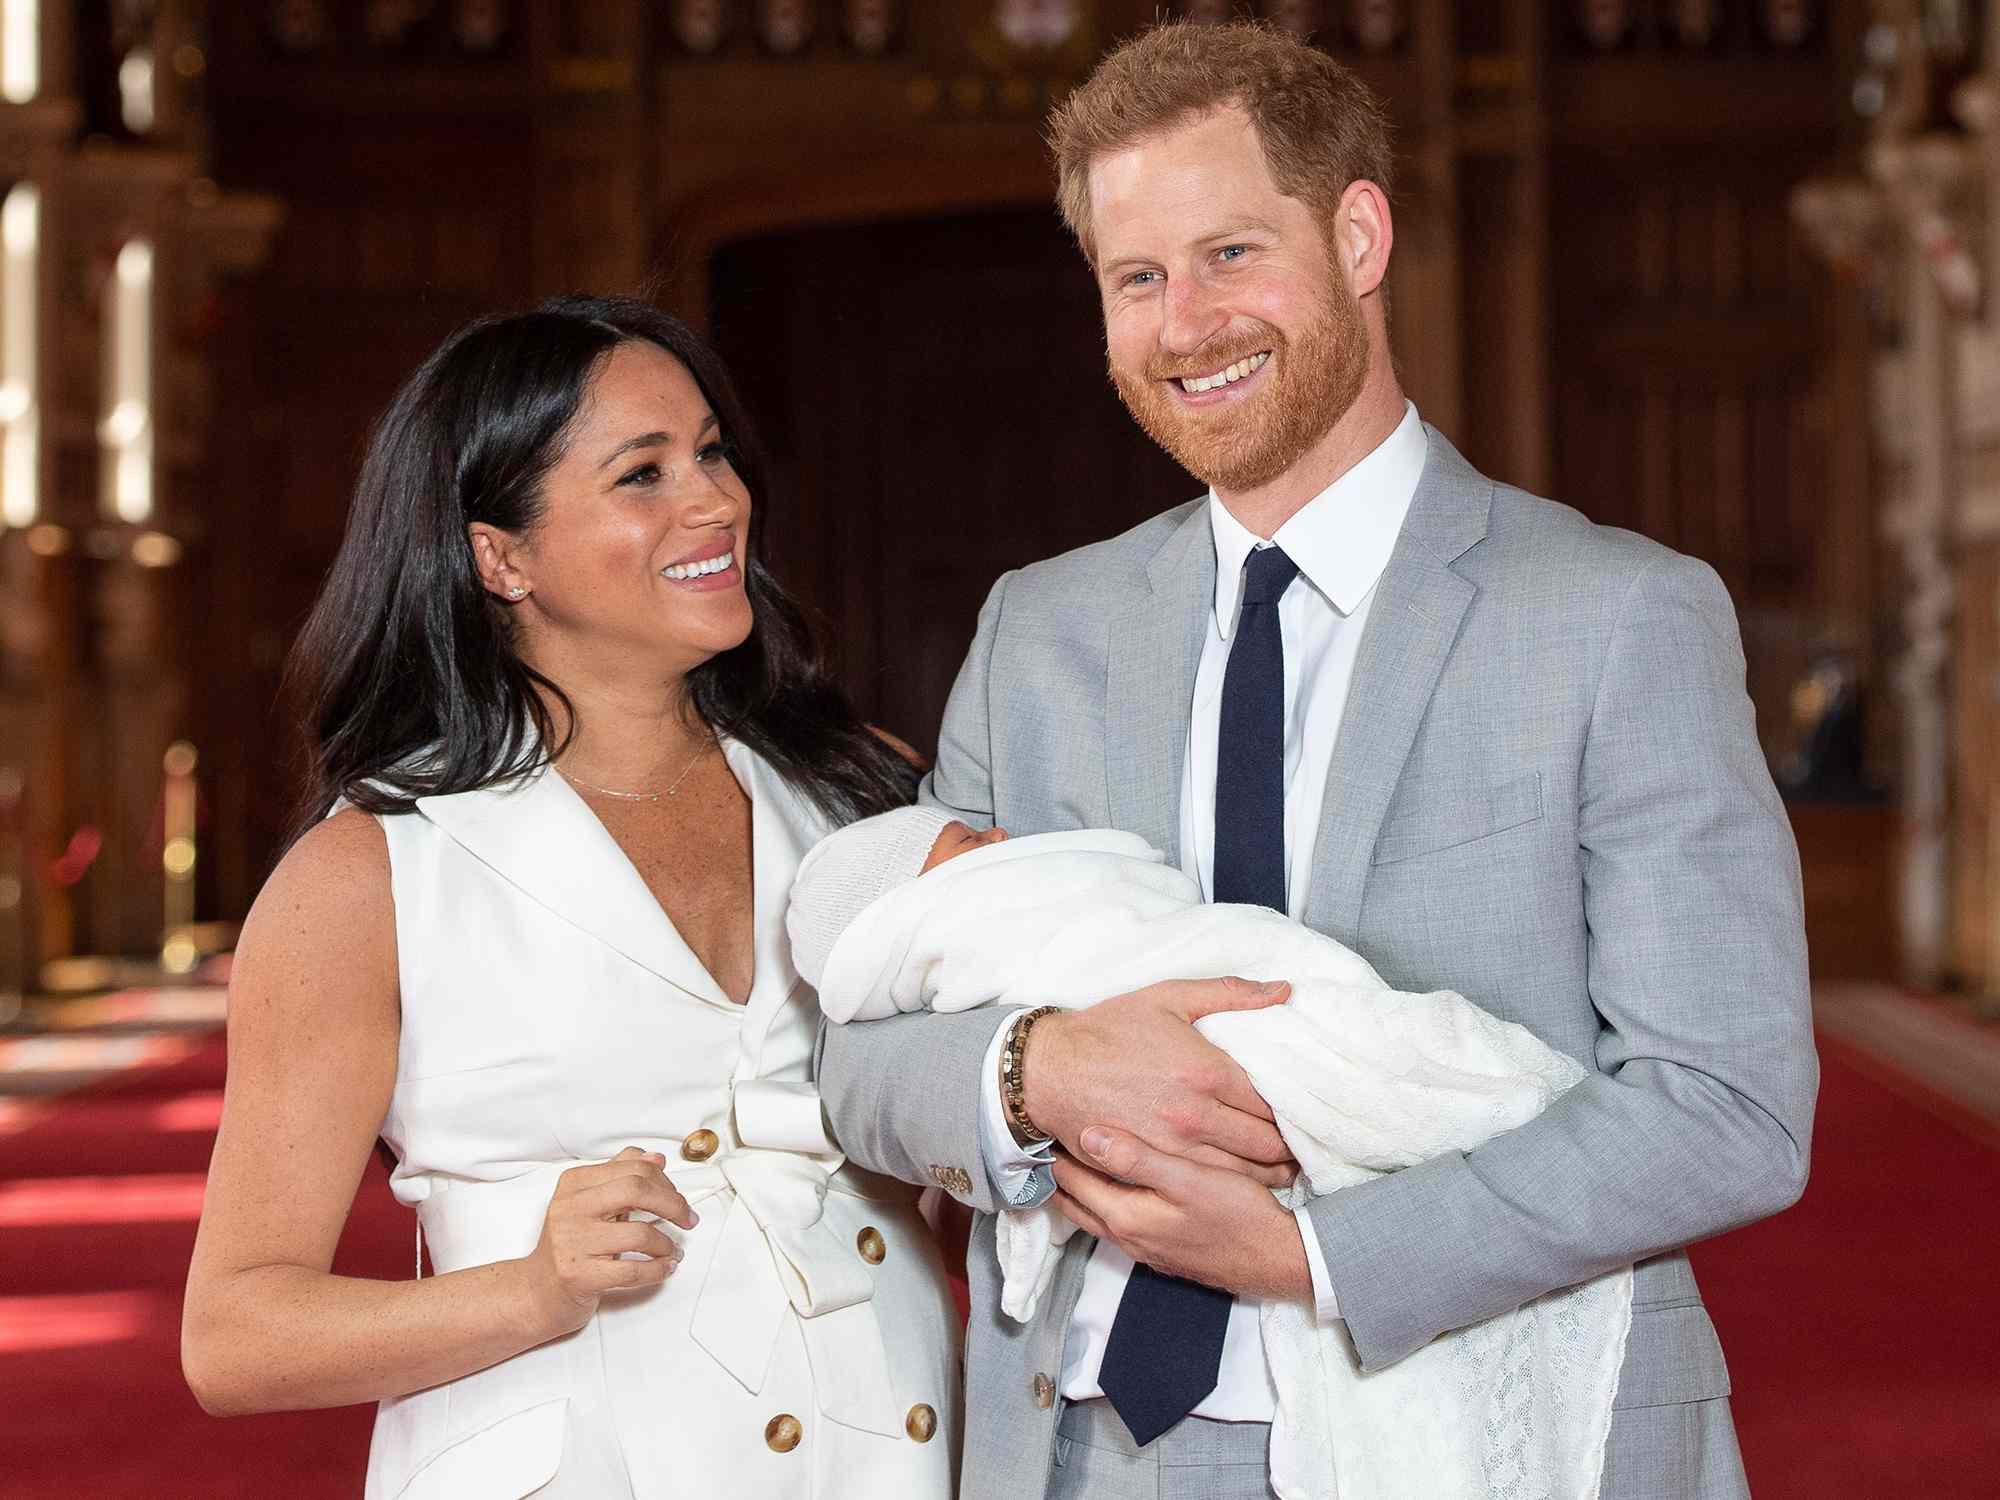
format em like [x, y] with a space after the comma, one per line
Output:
[574, 742]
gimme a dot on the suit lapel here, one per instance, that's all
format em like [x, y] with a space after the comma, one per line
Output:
[1412, 625]
[540, 837]
[1149, 689]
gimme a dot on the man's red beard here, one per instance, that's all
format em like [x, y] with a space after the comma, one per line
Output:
[1311, 381]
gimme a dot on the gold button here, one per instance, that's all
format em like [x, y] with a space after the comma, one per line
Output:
[782, 1433]
[869, 1243]
[1045, 1392]
[921, 1423]
[700, 1146]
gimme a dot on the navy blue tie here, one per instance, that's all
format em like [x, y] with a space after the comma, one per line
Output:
[1250, 743]
[1165, 1349]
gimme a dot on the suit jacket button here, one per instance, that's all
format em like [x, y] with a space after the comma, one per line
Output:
[1045, 1392]
[873, 1249]
[921, 1423]
[954, 1180]
[782, 1433]
[700, 1146]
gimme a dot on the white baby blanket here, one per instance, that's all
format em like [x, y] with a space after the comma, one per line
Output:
[1363, 1080]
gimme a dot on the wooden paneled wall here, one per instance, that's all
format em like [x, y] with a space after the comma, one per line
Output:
[1597, 295]
[1705, 374]
[902, 496]
[1690, 392]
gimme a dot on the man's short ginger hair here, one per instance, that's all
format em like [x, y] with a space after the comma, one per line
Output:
[1320, 126]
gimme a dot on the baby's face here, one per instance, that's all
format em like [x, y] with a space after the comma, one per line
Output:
[958, 839]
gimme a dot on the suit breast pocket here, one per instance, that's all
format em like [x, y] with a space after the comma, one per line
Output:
[1444, 818]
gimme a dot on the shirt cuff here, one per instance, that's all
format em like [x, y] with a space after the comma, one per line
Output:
[1326, 1306]
[1021, 1178]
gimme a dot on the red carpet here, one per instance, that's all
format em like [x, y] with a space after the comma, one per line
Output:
[1860, 1326]
[91, 1398]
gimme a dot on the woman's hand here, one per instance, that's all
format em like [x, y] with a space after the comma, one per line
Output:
[586, 1231]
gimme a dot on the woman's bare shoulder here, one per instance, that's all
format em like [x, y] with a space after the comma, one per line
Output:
[326, 910]
[346, 854]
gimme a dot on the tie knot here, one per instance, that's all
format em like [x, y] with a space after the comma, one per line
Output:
[1267, 573]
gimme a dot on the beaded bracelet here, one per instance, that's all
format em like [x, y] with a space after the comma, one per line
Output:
[1013, 1087]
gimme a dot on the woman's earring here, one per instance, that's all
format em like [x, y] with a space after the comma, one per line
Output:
[516, 592]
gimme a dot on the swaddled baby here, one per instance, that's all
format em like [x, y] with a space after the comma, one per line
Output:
[912, 911]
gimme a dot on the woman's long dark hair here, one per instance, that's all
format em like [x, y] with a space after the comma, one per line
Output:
[411, 684]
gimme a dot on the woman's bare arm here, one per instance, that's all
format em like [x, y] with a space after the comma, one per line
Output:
[314, 1018]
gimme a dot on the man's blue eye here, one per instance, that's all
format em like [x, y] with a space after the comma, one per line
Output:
[1138, 277]
[1230, 252]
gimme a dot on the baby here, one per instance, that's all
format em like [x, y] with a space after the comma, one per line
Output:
[913, 910]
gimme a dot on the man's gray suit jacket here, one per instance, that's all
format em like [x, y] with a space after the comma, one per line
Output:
[1547, 795]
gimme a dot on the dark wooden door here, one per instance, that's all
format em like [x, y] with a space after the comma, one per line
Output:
[935, 400]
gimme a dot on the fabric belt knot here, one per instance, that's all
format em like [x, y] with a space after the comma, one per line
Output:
[1165, 1350]
[775, 1254]
[775, 1257]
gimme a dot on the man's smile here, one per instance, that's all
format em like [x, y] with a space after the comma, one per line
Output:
[1222, 384]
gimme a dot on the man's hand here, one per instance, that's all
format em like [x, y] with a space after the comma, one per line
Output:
[1208, 1224]
[1138, 1064]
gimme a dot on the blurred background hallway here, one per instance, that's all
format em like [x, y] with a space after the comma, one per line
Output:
[1719, 271]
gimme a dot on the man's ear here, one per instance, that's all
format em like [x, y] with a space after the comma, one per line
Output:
[496, 554]
[1364, 234]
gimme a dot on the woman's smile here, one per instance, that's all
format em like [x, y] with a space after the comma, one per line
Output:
[713, 567]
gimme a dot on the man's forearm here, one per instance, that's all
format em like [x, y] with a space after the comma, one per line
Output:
[903, 1097]
[1701, 1117]
[1617, 1170]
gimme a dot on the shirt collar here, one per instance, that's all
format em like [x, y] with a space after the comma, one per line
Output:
[1342, 537]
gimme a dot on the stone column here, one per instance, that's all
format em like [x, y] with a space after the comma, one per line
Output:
[1917, 179]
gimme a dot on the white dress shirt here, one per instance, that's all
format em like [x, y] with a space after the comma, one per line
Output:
[1341, 540]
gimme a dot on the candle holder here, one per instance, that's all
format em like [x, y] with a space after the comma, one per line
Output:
[185, 943]
[179, 802]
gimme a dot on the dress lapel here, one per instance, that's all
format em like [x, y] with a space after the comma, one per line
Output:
[1149, 692]
[538, 835]
[783, 827]
[1412, 625]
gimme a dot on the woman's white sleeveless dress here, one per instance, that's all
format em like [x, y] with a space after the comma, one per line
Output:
[807, 1346]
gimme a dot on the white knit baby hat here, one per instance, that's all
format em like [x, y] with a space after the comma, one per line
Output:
[848, 871]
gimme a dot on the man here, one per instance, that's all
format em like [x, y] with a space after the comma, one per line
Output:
[1489, 745]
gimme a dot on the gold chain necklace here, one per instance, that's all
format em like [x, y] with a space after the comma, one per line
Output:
[671, 791]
